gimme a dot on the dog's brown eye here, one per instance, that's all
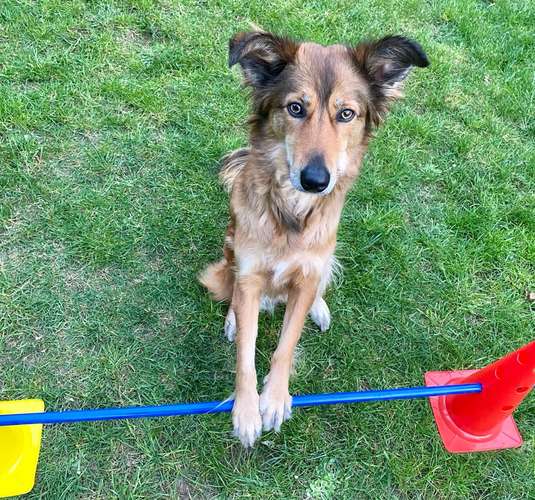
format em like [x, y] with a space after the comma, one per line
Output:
[346, 115]
[296, 110]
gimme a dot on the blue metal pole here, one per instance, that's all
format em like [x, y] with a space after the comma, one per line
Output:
[62, 417]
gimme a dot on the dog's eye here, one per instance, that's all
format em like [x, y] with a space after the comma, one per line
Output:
[346, 115]
[296, 110]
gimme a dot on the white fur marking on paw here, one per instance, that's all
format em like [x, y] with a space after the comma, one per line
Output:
[230, 325]
[247, 422]
[320, 314]
[274, 410]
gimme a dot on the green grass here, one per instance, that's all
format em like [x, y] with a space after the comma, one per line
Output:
[113, 116]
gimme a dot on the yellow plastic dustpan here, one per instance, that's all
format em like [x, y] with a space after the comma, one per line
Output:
[19, 449]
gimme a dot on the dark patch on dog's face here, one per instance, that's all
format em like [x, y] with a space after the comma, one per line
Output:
[326, 80]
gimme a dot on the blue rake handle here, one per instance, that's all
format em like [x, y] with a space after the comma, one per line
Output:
[63, 417]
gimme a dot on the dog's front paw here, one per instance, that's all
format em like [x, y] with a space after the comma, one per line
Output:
[246, 419]
[275, 407]
[320, 314]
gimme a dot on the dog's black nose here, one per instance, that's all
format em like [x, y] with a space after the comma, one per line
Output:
[315, 177]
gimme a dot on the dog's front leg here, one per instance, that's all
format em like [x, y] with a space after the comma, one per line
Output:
[275, 401]
[245, 413]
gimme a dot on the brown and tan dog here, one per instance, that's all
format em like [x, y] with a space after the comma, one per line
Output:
[314, 109]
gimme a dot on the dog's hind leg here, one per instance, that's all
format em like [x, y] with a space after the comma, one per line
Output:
[266, 304]
[319, 313]
[218, 278]
[230, 324]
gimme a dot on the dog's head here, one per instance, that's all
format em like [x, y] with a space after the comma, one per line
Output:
[317, 105]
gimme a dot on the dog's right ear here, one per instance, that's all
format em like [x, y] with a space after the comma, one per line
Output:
[262, 56]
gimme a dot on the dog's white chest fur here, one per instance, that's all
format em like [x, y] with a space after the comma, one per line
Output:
[281, 269]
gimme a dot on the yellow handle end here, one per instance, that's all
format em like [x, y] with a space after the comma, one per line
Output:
[19, 449]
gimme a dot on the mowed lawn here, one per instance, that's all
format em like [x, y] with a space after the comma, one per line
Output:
[113, 116]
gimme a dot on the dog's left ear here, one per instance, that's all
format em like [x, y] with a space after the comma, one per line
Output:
[386, 63]
[262, 56]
